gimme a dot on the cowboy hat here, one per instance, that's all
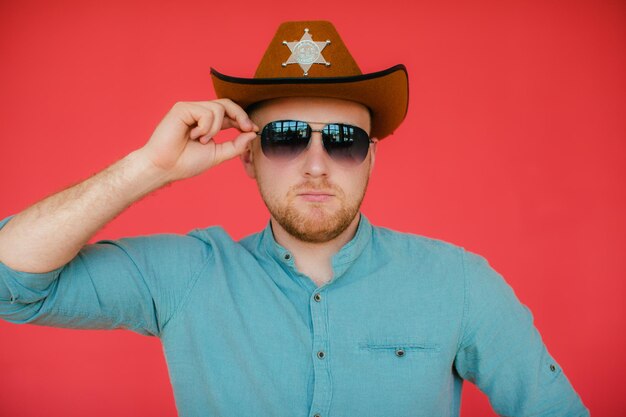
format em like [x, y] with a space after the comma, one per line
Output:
[310, 59]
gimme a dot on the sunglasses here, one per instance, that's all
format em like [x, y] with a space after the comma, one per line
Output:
[284, 140]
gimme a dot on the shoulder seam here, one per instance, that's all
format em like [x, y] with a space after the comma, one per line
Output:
[465, 302]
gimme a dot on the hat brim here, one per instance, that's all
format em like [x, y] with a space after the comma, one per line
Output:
[385, 93]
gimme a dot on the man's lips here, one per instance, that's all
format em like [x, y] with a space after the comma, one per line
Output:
[316, 195]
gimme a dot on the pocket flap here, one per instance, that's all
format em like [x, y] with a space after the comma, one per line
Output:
[395, 343]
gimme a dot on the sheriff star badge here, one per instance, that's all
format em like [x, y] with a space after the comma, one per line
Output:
[306, 52]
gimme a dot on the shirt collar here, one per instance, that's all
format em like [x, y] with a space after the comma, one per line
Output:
[340, 261]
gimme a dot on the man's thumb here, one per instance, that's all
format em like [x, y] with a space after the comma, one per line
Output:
[228, 150]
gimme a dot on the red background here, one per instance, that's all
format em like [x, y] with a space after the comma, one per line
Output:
[513, 147]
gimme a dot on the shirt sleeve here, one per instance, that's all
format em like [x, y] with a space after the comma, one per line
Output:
[135, 283]
[502, 352]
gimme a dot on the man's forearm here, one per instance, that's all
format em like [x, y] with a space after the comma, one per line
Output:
[50, 233]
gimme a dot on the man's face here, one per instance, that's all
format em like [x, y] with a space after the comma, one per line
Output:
[286, 186]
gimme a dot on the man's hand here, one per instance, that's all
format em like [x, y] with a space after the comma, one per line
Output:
[182, 144]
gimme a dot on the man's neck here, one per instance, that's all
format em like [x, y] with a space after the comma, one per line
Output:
[314, 259]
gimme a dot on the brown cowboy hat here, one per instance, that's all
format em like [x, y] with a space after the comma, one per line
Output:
[310, 59]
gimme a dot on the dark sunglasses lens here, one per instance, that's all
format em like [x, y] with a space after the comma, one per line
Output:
[284, 139]
[346, 144]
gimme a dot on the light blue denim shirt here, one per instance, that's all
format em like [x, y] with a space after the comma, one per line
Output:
[404, 321]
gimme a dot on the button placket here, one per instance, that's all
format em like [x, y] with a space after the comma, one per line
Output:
[322, 385]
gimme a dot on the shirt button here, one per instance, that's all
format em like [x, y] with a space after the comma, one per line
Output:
[399, 353]
[317, 297]
[287, 256]
[321, 354]
[317, 415]
[552, 367]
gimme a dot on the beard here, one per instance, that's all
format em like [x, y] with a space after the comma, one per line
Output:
[317, 223]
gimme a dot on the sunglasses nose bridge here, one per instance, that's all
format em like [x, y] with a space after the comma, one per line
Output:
[316, 141]
[315, 133]
[316, 158]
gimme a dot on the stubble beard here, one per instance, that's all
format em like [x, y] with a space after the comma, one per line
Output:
[316, 223]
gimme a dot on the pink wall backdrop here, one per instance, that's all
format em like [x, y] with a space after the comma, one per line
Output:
[514, 147]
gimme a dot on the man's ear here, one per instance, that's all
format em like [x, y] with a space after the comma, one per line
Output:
[247, 159]
[373, 153]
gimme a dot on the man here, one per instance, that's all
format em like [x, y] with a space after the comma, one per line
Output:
[321, 313]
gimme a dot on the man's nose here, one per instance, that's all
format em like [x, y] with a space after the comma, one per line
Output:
[316, 159]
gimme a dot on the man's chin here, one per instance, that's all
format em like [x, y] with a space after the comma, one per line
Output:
[316, 223]
[313, 234]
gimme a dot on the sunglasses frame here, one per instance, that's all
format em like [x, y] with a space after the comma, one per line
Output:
[321, 131]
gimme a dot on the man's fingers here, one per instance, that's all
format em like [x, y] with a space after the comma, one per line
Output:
[204, 125]
[228, 150]
[207, 118]
[216, 124]
[234, 115]
[227, 123]
[225, 114]
[198, 118]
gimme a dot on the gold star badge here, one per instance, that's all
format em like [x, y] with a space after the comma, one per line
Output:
[306, 52]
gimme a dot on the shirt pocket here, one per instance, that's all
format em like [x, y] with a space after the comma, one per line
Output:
[405, 371]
